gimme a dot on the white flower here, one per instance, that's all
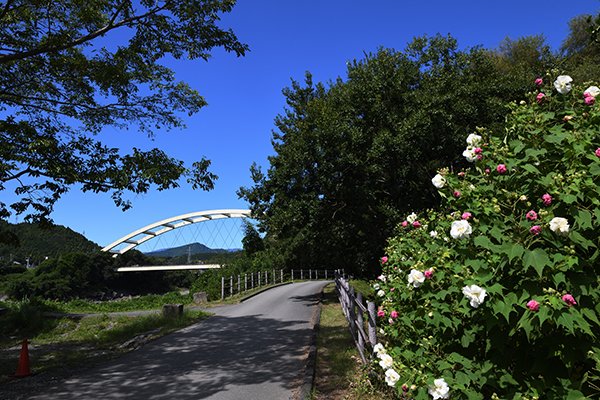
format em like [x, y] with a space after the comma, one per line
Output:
[439, 390]
[460, 229]
[473, 140]
[416, 278]
[381, 293]
[385, 361]
[411, 218]
[382, 278]
[433, 234]
[391, 377]
[559, 225]
[563, 84]
[469, 154]
[378, 349]
[592, 91]
[475, 294]
[376, 286]
[438, 181]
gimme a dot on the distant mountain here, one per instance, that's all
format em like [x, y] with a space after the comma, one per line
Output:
[20, 241]
[191, 249]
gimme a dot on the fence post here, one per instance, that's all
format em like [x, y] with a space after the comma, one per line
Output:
[292, 275]
[222, 287]
[325, 274]
[352, 310]
[372, 323]
[361, 323]
[301, 274]
[245, 282]
[230, 285]
[281, 271]
[258, 273]
[252, 280]
[266, 278]
[310, 274]
[239, 284]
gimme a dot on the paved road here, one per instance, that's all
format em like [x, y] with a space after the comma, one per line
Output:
[253, 350]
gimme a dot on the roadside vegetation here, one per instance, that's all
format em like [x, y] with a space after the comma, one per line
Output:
[61, 344]
[339, 371]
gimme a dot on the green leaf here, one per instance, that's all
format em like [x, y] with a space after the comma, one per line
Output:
[584, 219]
[575, 395]
[515, 251]
[580, 240]
[537, 258]
[557, 135]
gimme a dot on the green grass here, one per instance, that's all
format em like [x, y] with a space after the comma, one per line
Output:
[60, 344]
[364, 287]
[146, 302]
[339, 371]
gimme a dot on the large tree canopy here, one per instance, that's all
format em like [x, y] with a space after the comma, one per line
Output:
[70, 68]
[352, 158]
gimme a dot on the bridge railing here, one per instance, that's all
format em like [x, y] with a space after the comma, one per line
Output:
[236, 284]
[361, 317]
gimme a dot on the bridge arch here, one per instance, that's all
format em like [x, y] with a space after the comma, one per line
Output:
[135, 238]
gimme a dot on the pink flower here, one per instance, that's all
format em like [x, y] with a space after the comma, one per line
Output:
[392, 289]
[540, 98]
[394, 314]
[466, 215]
[461, 174]
[567, 298]
[416, 224]
[539, 82]
[405, 223]
[428, 273]
[535, 230]
[597, 152]
[384, 259]
[405, 388]
[477, 150]
[479, 157]
[381, 313]
[531, 215]
[589, 100]
[533, 305]
[456, 194]
[487, 171]
[547, 199]
[501, 168]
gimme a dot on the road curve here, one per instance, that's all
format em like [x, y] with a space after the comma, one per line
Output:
[253, 350]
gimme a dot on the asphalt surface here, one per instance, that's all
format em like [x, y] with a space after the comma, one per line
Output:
[253, 350]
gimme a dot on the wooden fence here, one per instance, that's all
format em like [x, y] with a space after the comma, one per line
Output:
[236, 284]
[361, 318]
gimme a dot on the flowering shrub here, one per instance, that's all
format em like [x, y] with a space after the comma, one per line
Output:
[497, 293]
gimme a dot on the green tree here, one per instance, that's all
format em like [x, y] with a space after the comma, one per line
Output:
[351, 158]
[69, 69]
[581, 49]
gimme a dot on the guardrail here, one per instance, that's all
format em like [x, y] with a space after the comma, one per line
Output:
[361, 317]
[236, 284]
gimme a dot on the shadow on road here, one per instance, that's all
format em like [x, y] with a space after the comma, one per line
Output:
[190, 365]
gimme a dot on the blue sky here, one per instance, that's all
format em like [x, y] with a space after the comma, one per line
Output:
[287, 38]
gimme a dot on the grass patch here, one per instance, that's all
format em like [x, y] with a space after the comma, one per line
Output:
[364, 287]
[146, 302]
[65, 344]
[339, 371]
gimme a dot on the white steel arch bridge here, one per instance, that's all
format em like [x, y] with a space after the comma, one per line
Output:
[151, 231]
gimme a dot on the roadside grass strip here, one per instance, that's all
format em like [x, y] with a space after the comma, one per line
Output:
[339, 371]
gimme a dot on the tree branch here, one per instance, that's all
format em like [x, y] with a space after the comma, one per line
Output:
[83, 39]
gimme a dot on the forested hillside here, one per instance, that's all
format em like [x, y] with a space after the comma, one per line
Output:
[40, 241]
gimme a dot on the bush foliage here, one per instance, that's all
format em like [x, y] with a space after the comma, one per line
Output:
[495, 294]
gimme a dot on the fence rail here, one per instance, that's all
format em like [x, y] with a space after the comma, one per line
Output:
[361, 317]
[236, 284]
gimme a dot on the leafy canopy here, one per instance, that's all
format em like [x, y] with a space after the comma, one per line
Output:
[70, 68]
